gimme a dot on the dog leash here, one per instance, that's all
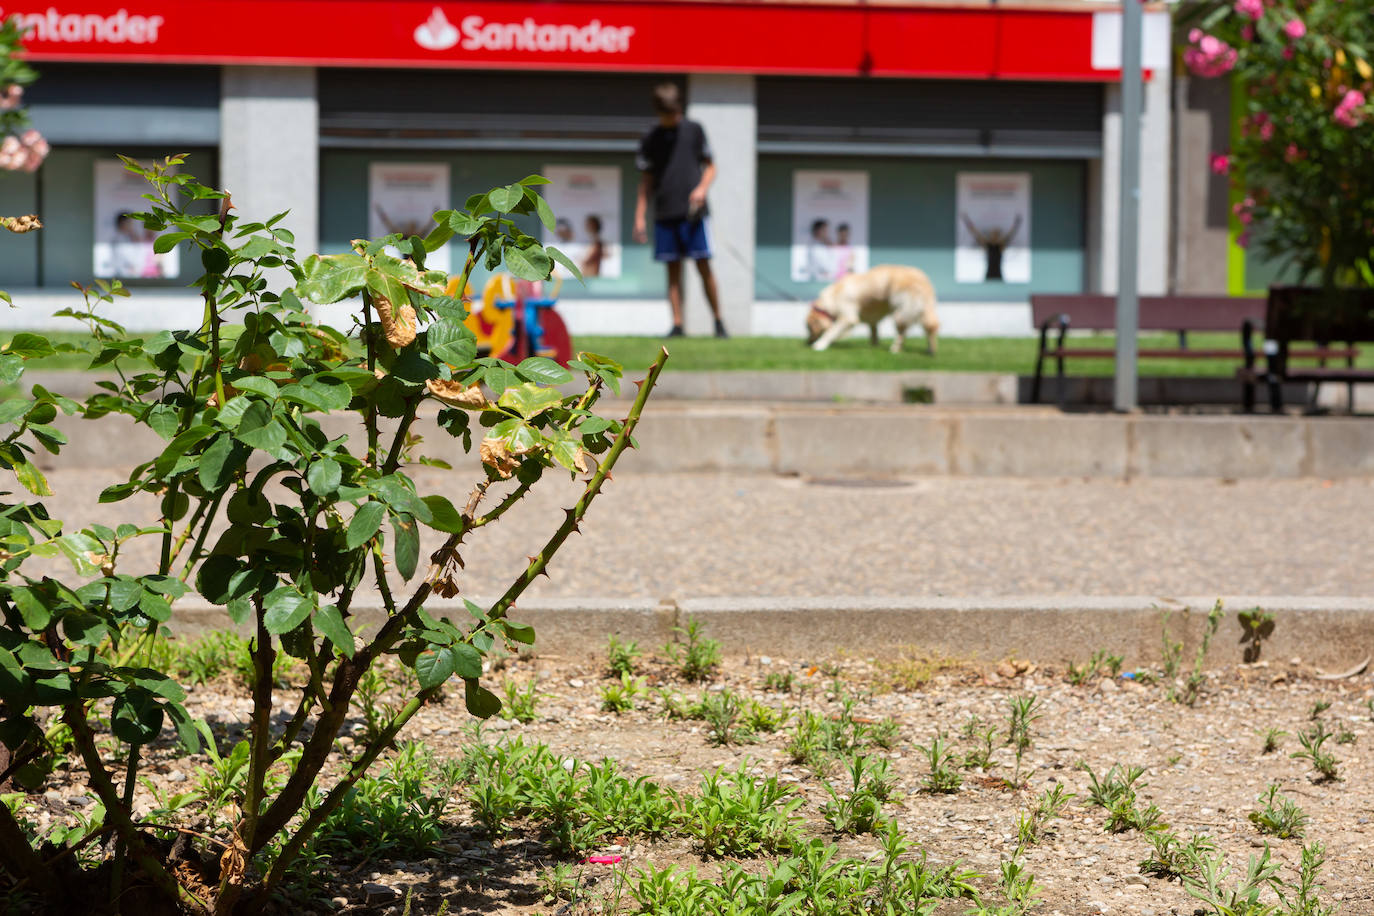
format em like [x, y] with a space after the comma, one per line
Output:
[758, 277]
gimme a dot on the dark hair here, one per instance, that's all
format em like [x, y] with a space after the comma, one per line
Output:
[594, 221]
[842, 227]
[667, 98]
[818, 224]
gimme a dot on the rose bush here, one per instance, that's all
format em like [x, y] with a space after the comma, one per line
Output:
[1304, 157]
[21, 147]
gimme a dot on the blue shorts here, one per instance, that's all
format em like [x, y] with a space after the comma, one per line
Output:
[675, 239]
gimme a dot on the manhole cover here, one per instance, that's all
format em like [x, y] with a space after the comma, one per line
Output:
[859, 483]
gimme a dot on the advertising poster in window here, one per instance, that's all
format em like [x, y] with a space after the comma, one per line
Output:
[585, 200]
[123, 248]
[402, 197]
[992, 227]
[829, 225]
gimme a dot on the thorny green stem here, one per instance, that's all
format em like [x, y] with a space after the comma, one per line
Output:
[181, 540]
[130, 775]
[393, 458]
[75, 716]
[574, 515]
[198, 548]
[536, 566]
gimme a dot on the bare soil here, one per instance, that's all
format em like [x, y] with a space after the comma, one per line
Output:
[1204, 766]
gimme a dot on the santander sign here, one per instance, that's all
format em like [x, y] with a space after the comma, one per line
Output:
[473, 33]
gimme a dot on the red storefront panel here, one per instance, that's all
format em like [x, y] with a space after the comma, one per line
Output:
[617, 36]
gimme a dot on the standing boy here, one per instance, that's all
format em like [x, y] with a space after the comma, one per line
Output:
[677, 169]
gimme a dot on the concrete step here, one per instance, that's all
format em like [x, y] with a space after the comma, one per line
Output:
[1332, 633]
[898, 440]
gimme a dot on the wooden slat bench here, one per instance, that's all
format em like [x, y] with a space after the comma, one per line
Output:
[1179, 314]
[1332, 325]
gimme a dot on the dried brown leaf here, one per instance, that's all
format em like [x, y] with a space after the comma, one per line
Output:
[456, 394]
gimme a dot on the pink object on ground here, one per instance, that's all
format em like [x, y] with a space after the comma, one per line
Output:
[601, 860]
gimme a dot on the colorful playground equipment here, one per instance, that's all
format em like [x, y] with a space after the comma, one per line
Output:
[515, 320]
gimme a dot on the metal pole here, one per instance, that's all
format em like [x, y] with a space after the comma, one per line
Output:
[1128, 259]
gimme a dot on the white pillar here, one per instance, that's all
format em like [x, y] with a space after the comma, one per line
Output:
[1156, 189]
[724, 104]
[269, 147]
[1103, 197]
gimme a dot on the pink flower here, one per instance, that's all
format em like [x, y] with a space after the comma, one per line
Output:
[1295, 29]
[1347, 113]
[1288, 53]
[1292, 154]
[1267, 130]
[1254, 9]
[1209, 56]
[1248, 32]
[1243, 240]
[1221, 164]
[11, 97]
[1194, 36]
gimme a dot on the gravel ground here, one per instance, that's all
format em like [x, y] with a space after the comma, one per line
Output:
[700, 535]
[1204, 770]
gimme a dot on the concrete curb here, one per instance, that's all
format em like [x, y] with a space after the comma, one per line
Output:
[678, 437]
[1332, 633]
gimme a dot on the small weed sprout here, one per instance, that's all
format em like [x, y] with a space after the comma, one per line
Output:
[883, 733]
[1100, 663]
[620, 695]
[1018, 887]
[1272, 738]
[761, 719]
[1116, 792]
[1256, 626]
[1032, 825]
[1171, 650]
[521, 702]
[779, 681]
[1322, 761]
[677, 706]
[1318, 708]
[1171, 858]
[859, 808]
[980, 758]
[724, 716]
[736, 815]
[1208, 885]
[943, 777]
[1023, 713]
[1280, 816]
[1306, 894]
[621, 657]
[562, 883]
[1345, 736]
[1193, 684]
[696, 657]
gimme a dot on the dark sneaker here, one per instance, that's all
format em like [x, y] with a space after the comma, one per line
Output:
[676, 331]
[720, 330]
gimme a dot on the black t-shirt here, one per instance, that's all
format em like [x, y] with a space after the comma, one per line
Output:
[674, 157]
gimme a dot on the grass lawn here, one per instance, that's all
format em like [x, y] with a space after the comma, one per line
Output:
[1014, 355]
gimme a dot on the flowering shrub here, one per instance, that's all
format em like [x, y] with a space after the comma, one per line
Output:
[1304, 159]
[21, 147]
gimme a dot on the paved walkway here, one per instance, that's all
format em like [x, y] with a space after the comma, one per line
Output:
[687, 536]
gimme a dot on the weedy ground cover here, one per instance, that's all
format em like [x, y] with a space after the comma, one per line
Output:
[526, 817]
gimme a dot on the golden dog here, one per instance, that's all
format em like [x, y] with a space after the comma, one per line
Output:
[903, 292]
